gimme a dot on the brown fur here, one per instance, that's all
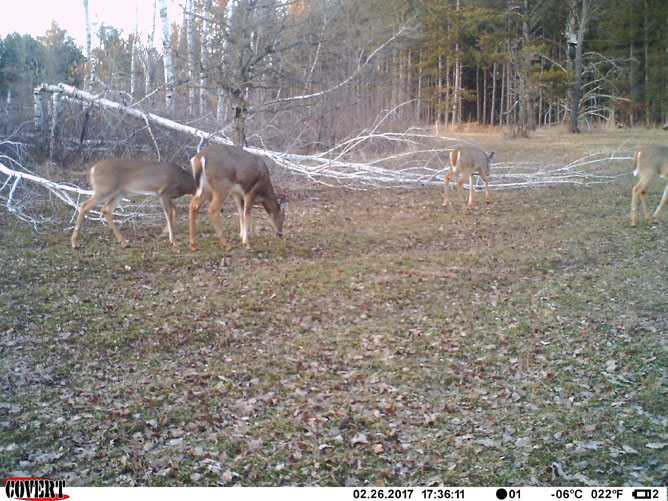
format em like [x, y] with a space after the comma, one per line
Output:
[465, 162]
[651, 162]
[114, 178]
[222, 170]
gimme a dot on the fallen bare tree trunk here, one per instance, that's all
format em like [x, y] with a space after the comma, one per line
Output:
[409, 168]
[419, 160]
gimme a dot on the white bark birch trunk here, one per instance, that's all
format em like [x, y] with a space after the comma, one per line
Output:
[55, 119]
[190, 32]
[220, 108]
[204, 58]
[170, 102]
[38, 109]
[90, 74]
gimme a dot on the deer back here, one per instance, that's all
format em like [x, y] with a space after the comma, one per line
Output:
[146, 177]
[232, 168]
[469, 160]
[653, 159]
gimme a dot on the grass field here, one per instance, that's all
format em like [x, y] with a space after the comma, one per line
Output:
[385, 341]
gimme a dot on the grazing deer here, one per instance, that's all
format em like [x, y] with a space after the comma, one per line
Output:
[113, 179]
[651, 162]
[467, 161]
[220, 170]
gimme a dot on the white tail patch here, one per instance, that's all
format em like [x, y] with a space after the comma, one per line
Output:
[202, 179]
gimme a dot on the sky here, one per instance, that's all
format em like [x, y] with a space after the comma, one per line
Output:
[34, 16]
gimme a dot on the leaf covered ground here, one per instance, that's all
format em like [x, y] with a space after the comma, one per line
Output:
[385, 341]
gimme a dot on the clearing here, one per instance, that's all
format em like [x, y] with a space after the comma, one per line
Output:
[385, 341]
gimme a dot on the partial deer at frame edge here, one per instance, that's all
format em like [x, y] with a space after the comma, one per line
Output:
[651, 162]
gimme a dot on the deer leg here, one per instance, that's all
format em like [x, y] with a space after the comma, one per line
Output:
[459, 185]
[664, 199]
[634, 205]
[169, 210]
[486, 181]
[248, 205]
[165, 230]
[642, 193]
[195, 206]
[216, 219]
[446, 186]
[470, 204]
[108, 212]
[239, 201]
[85, 207]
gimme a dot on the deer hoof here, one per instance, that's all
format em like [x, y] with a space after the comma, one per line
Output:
[125, 244]
[194, 247]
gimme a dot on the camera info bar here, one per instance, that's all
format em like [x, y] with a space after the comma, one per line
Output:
[374, 493]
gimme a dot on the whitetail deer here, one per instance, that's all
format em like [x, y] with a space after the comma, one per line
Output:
[467, 161]
[650, 162]
[113, 179]
[220, 170]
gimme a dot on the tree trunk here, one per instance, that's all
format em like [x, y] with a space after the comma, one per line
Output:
[541, 120]
[240, 116]
[204, 58]
[477, 93]
[493, 103]
[54, 133]
[190, 32]
[457, 115]
[439, 85]
[133, 66]
[502, 100]
[38, 109]
[509, 93]
[648, 107]
[446, 117]
[578, 37]
[90, 73]
[220, 108]
[170, 102]
[419, 90]
[484, 95]
[527, 116]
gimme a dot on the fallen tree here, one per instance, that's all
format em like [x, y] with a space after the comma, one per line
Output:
[418, 157]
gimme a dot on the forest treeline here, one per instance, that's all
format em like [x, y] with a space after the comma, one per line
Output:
[305, 74]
